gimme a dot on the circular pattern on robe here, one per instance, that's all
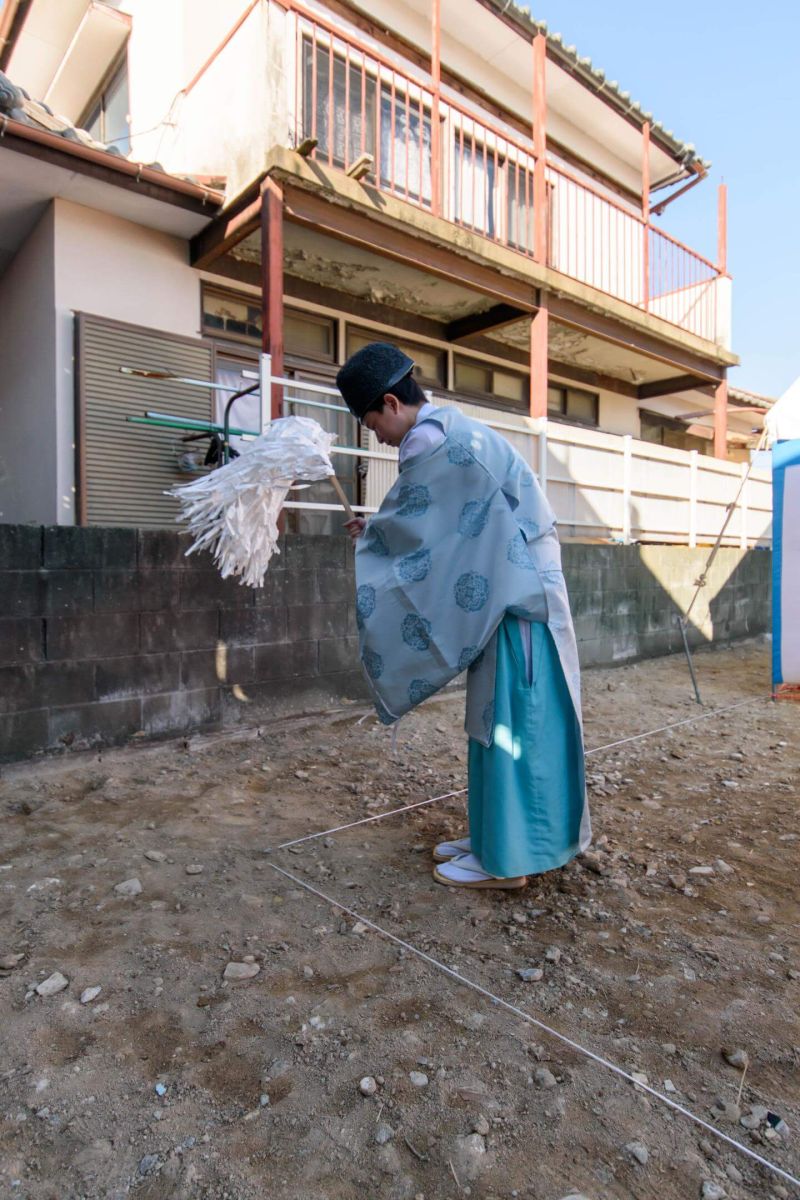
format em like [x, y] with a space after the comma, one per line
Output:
[373, 664]
[414, 567]
[470, 656]
[518, 553]
[419, 690]
[414, 500]
[384, 716]
[527, 479]
[471, 591]
[487, 717]
[365, 601]
[376, 543]
[474, 516]
[459, 456]
[530, 527]
[416, 632]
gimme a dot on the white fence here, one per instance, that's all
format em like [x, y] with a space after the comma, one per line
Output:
[602, 486]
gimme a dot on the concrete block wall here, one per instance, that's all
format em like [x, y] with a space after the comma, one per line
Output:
[625, 599]
[107, 633]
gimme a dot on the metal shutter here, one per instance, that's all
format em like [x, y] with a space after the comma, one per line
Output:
[123, 469]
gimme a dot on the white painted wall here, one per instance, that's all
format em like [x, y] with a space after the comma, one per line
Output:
[112, 268]
[30, 490]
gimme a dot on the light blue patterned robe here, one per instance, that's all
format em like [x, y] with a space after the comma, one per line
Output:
[464, 536]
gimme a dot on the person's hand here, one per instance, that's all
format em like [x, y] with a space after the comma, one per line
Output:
[355, 527]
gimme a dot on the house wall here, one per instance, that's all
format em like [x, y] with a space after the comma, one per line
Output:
[107, 633]
[112, 268]
[32, 488]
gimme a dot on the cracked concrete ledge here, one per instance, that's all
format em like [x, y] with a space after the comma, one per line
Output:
[289, 167]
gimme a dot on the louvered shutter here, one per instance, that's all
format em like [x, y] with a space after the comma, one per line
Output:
[124, 469]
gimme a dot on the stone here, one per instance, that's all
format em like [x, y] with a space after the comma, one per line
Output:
[639, 1077]
[194, 869]
[734, 1173]
[553, 955]
[9, 961]
[89, 994]
[156, 856]
[669, 1048]
[384, 1134]
[712, 1191]
[148, 1163]
[727, 1109]
[468, 1156]
[128, 887]
[481, 1125]
[418, 1078]
[669, 1086]
[722, 867]
[530, 974]
[389, 1160]
[736, 1058]
[368, 1086]
[544, 1078]
[54, 984]
[639, 1151]
[701, 870]
[238, 971]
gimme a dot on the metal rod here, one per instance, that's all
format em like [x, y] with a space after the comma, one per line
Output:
[682, 621]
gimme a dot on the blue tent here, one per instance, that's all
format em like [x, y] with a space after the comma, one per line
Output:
[786, 563]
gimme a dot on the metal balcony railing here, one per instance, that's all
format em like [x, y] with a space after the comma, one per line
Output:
[446, 157]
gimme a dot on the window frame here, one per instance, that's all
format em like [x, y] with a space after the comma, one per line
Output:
[563, 417]
[119, 64]
[503, 403]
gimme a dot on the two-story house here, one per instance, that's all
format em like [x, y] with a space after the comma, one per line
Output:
[447, 175]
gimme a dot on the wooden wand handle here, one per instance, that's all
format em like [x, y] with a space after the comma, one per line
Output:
[337, 487]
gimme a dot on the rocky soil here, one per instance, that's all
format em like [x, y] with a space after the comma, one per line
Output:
[180, 1019]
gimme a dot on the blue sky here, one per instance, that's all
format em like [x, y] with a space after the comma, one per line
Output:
[725, 77]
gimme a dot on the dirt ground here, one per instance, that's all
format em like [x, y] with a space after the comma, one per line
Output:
[173, 1082]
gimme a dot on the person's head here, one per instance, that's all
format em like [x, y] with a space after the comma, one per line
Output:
[378, 388]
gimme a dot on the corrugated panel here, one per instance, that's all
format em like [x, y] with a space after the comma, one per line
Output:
[128, 467]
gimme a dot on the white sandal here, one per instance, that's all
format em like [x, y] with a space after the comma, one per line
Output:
[467, 872]
[447, 850]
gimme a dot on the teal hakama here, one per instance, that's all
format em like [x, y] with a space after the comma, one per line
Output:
[526, 790]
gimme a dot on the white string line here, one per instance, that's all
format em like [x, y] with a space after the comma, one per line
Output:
[519, 1012]
[309, 837]
[364, 821]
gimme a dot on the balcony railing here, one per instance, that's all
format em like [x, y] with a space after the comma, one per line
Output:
[442, 156]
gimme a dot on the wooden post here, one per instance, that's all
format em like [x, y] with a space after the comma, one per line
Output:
[693, 456]
[721, 419]
[436, 127]
[539, 330]
[646, 214]
[540, 148]
[272, 284]
[722, 229]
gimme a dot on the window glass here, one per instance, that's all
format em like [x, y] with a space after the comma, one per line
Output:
[233, 315]
[472, 376]
[510, 387]
[405, 145]
[108, 120]
[308, 336]
[581, 406]
[556, 401]
[338, 112]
